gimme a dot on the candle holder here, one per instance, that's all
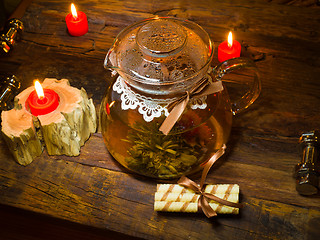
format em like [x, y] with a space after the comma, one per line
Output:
[62, 131]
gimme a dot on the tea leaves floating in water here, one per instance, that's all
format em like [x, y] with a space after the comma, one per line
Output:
[156, 154]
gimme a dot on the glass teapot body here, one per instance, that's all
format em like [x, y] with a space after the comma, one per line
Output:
[130, 125]
[157, 62]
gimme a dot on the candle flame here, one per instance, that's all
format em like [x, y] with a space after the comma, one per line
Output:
[230, 40]
[39, 89]
[111, 104]
[74, 11]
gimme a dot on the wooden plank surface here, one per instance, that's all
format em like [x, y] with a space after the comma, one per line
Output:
[94, 190]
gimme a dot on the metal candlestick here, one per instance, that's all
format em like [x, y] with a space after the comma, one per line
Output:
[9, 88]
[9, 35]
[308, 170]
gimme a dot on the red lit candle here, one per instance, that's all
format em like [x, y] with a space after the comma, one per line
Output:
[229, 49]
[108, 106]
[42, 101]
[77, 22]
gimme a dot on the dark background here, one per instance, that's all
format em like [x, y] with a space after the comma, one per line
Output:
[6, 9]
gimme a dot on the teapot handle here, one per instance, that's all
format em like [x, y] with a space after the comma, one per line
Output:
[252, 94]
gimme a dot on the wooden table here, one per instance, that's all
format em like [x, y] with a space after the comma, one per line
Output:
[283, 38]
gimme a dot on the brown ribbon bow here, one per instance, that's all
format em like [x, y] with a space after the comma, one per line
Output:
[203, 202]
[203, 88]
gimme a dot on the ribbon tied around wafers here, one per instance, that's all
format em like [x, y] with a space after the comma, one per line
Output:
[203, 202]
[202, 88]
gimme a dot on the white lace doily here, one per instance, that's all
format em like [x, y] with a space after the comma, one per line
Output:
[149, 108]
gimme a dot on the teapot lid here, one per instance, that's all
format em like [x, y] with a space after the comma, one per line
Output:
[161, 51]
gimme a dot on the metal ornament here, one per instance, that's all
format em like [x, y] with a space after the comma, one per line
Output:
[307, 172]
[9, 88]
[12, 31]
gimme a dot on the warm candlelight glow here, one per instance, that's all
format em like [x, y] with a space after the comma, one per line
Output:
[39, 89]
[74, 11]
[230, 40]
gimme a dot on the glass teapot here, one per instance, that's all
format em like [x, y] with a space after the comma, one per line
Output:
[167, 111]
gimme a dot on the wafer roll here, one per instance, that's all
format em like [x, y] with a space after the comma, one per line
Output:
[176, 188]
[191, 207]
[176, 198]
[222, 188]
[216, 188]
[191, 197]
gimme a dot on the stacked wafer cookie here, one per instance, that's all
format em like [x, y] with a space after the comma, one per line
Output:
[176, 198]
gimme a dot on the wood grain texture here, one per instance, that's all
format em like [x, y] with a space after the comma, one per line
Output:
[92, 189]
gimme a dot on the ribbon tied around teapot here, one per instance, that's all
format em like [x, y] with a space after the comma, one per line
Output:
[202, 88]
